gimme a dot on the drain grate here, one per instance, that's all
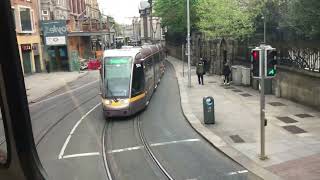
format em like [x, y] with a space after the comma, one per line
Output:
[303, 115]
[276, 104]
[237, 90]
[294, 129]
[212, 82]
[245, 95]
[287, 119]
[236, 139]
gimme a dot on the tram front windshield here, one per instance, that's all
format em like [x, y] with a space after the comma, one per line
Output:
[117, 76]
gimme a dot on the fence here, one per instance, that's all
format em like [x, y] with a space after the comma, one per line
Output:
[301, 58]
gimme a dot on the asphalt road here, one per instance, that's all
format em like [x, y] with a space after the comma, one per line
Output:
[72, 138]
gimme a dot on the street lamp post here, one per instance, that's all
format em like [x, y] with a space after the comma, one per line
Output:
[188, 41]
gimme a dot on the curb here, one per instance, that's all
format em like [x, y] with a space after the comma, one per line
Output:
[56, 89]
[215, 140]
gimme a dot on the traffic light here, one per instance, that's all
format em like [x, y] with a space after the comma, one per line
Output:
[255, 59]
[271, 62]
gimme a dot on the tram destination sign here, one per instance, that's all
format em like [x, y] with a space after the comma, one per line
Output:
[54, 32]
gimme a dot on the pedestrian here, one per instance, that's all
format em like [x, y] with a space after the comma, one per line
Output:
[166, 51]
[200, 71]
[205, 64]
[226, 73]
[47, 66]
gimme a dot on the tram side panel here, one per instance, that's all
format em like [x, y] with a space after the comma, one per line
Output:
[149, 78]
[138, 95]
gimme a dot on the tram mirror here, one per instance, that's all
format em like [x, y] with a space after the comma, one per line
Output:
[3, 144]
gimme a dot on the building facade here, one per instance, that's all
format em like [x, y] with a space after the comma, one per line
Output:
[150, 27]
[26, 16]
[54, 9]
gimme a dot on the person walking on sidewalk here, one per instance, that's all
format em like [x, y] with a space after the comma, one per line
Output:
[47, 66]
[226, 73]
[200, 71]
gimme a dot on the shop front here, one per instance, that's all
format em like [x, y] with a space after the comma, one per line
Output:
[30, 54]
[54, 33]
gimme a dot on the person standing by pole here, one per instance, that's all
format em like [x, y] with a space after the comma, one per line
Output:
[226, 73]
[200, 71]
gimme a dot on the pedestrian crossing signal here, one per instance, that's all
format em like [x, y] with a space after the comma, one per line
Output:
[271, 62]
[255, 56]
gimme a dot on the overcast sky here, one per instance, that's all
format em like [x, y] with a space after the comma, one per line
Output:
[120, 9]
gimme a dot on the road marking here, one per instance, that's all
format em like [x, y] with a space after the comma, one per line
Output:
[73, 130]
[237, 172]
[174, 142]
[126, 149]
[67, 92]
[81, 155]
[152, 145]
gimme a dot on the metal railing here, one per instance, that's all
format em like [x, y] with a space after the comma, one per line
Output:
[301, 58]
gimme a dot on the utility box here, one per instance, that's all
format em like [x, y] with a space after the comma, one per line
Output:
[236, 75]
[208, 110]
[245, 76]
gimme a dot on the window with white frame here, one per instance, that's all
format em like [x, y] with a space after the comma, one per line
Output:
[26, 19]
[45, 12]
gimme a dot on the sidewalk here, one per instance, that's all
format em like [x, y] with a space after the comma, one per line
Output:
[292, 134]
[42, 84]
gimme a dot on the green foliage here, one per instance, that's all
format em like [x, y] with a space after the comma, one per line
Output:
[173, 16]
[304, 16]
[225, 18]
[241, 18]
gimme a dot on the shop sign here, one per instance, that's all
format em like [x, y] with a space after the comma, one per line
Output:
[26, 47]
[54, 32]
[58, 40]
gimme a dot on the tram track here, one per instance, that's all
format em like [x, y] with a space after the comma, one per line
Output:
[149, 150]
[48, 129]
[112, 168]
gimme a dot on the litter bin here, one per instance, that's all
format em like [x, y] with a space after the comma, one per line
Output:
[236, 75]
[208, 110]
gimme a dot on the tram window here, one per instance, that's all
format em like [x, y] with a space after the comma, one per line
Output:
[3, 144]
[137, 80]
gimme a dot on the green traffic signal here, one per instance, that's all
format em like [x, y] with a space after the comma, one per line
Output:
[271, 72]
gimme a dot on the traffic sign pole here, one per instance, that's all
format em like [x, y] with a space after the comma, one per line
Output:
[262, 104]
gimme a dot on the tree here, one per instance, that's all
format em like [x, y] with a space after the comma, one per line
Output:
[303, 16]
[226, 18]
[173, 16]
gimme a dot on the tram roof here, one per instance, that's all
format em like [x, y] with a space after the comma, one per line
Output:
[139, 53]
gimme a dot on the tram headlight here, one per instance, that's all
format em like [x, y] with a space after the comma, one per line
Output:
[125, 101]
[107, 102]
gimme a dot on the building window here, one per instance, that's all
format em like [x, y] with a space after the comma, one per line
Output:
[45, 12]
[25, 18]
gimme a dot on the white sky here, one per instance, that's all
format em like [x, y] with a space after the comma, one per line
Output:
[120, 9]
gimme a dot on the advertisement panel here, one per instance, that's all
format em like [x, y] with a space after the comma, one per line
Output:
[54, 32]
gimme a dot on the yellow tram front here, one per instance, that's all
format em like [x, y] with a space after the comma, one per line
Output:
[122, 86]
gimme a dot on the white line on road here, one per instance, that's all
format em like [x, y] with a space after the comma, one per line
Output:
[174, 142]
[153, 145]
[73, 129]
[81, 155]
[237, 172]
[126, 149]
[67, 92]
